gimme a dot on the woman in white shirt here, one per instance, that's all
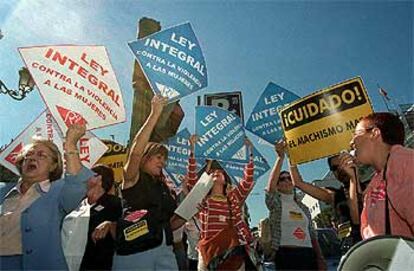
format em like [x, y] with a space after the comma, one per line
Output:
[294, 242]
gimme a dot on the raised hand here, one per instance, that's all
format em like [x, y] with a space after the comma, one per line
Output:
[158, 103]
[280, 148]
[193, 139]
[74, 133]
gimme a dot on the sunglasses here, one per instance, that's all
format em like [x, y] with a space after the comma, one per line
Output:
[284, 178]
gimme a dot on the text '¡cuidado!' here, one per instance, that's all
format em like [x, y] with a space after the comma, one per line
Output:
[322, 105]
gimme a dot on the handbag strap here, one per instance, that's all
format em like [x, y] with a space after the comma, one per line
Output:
[387, 210]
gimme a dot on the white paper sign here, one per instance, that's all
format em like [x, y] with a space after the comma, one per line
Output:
[188, 208]
[77, 84]
[45, 127]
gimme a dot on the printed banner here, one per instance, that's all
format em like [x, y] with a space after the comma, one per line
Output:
[230, 101]
[172, 61]
[45, 127]
[264, 120]
[77, 84]
[178, 153]
[236, 170]
[115, 158]
[220, 135]
[171, 183]
[322, 123]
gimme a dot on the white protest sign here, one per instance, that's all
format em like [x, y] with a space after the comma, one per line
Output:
[188, 207]
[77, 84]
[45, 127]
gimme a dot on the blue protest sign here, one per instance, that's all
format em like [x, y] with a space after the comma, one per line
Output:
[178, 152]
[172, 61]
[236, 170]
[264, 120]
[220, 135]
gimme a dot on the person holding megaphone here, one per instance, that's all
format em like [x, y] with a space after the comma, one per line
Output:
[378, 141]
[387, 219]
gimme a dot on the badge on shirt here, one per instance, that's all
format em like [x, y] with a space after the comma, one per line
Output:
[99, 208]
[136, 230]
[344, 230]
[297, 216]
[299, 234]
[378, 194]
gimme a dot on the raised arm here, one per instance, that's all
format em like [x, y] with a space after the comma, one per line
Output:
[280, 148]
[73, 162]
[192, 165]
[76, 176]
[246, 184]
[317, 192]
[131, 169]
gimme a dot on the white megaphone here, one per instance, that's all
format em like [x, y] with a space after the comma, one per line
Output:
[392, 253]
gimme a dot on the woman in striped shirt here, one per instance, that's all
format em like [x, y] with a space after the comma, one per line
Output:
[225, 236]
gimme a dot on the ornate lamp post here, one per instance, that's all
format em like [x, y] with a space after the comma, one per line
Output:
[26, 85]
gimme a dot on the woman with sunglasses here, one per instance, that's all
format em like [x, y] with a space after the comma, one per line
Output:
[294, 242]
[31, 213]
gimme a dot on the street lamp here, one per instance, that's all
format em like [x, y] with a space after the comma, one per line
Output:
[26, 85]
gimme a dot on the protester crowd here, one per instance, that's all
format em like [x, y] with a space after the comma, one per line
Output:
[78, 221]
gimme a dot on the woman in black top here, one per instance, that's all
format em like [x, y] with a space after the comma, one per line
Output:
[144, 188]
[105, 210]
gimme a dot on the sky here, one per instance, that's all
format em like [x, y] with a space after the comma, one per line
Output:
[303, 46]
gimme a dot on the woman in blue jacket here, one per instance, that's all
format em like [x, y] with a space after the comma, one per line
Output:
[32, 211]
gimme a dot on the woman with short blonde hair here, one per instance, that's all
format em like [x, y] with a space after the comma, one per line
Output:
[34, 208]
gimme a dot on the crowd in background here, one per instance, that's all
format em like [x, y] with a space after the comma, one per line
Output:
[80, 221]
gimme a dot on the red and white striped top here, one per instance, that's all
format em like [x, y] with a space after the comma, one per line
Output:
[215, 213]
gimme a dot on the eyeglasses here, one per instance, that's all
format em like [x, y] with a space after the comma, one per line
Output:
[362, 131]
[39, 155]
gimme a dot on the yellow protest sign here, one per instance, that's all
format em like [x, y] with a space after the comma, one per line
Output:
[115, 158]
[321, 124]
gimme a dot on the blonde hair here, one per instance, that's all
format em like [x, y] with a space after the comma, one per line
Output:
[54, 175]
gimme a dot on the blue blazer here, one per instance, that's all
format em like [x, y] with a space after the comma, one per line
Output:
[41, 223]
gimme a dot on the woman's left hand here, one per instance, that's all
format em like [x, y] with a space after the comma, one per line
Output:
[101, 231]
